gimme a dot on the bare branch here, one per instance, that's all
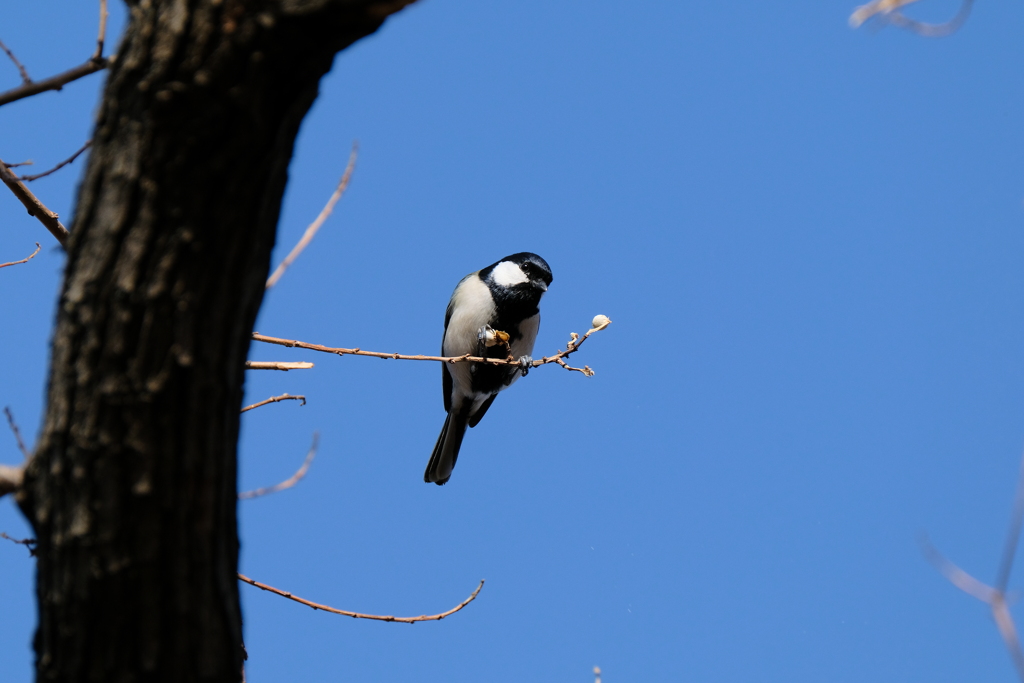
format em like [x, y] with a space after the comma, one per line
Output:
[600, 322]
[54, 82]
[97, 62]
[888, 11]
[37, 176]
[24, 260]
[311, 231]
[290, 481]
[35, 207]
[17, 432]
[101, 38]
[29, 543]
[276, 399]
[21, 68]
[269, 365]
[20, 163]
[875, 8]
[994, 598]
[357, 615]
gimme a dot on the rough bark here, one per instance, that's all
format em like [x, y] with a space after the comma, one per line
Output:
[132, 490]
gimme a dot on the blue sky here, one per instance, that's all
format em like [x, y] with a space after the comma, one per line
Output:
[810, 240]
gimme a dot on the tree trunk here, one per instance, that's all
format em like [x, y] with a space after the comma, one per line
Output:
[132, 490]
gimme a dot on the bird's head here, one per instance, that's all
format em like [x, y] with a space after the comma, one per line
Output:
[522, 271]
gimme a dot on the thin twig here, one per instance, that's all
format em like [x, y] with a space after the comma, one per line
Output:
[21, 67]
[35, 207]
[357, 615]
[875, 8]
[889, 11]
[574, 344]
[311, 231]
[933, 30]
[29, 543]
[20, 163]
[994, 598]
[269, 365]
[276, 399]
[103, 31]
[290, 481]
[1012, 534]
[37, 176]
[17, 432]
[24, 260]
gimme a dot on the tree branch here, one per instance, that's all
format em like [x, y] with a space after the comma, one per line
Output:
[10, 479]
[994, 597]
[311, 231]
[290, 481]
[600, 322]
[358, 615]
[271, 365]
[24, 260]
[54, 82]
[276, 399]
[29, 87]
[36, 208]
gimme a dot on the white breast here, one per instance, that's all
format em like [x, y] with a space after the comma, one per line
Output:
[472, 308]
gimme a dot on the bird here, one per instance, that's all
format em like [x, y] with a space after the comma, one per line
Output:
[493, 313]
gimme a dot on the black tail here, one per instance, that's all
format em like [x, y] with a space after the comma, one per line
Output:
[446, 450]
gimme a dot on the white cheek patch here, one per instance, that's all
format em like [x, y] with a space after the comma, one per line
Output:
[507, 274]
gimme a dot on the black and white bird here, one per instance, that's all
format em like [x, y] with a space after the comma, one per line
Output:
[503, 297]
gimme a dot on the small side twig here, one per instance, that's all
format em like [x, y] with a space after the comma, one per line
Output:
[21, 67]
[17, 432]
[70, 159]
[29, 543]
[600, 322]
[36, 208]
[358, 615]
[269, 365]
[311, 231]
[276, 399]
[24, 260]
[290, 481]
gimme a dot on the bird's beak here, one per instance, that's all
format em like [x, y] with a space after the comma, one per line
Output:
[539, 284]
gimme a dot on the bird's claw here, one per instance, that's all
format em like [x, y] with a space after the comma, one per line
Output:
[525, 363]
